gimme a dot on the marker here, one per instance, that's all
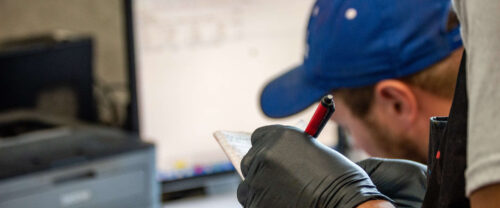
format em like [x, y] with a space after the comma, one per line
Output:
[321, 116]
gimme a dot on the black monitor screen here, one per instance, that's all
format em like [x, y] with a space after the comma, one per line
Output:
[68, 58]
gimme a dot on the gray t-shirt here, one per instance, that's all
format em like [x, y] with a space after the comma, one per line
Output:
[480, 22]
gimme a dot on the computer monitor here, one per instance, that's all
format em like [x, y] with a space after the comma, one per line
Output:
[200, 67]
[53, 77]
[104, 82]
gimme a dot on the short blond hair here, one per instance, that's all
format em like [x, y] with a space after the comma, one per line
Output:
[438, 79]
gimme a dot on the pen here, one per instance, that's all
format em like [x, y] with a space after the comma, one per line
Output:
[322, 114]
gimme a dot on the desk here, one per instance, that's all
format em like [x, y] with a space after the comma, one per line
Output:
[220, 200]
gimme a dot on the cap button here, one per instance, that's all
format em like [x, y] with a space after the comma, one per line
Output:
[351, 13]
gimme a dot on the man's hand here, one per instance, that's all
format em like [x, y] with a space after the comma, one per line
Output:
[288, 168]
[403, 181]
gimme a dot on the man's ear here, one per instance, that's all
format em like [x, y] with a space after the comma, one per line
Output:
[396, 100]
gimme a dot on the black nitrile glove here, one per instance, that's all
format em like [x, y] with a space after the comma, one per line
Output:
[403, 181]
[288, 168]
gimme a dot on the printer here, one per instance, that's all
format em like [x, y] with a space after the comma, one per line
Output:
[48, 163]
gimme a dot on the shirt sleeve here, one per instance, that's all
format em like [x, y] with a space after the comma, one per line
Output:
[480, 20]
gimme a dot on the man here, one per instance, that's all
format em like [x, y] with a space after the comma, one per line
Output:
[335, 182]
[390, 70]
[386, 49]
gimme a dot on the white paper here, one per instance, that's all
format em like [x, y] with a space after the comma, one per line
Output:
[235, 146]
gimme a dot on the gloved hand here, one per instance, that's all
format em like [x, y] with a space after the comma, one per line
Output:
[288, 168]
[403, 181]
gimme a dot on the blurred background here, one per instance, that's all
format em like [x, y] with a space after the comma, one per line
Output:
[113, 103]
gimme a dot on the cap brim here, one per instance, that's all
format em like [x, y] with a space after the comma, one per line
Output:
[289, 93]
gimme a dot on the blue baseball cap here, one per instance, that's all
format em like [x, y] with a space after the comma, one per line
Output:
[355, 43]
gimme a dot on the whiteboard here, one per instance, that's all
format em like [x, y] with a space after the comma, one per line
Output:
[202, 65]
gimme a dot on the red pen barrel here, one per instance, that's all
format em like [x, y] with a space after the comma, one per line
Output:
[321, 116]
